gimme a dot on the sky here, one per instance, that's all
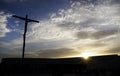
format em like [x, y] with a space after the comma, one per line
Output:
[67, 28]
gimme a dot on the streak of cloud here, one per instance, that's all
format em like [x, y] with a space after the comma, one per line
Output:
[3, 23]
[53, 53]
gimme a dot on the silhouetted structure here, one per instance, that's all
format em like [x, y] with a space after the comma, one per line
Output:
[25, 30]
[108, 65]
[43, 66]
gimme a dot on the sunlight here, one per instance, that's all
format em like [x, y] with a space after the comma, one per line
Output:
[86, 55]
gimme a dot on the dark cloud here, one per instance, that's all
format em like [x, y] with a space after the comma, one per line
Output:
[96, 35]
[4, 55]
[104, 33]
[53, 53]
[114, 49]
[97, 1]
[97, 44]
[72, 25]
[83, 35]
[84, 1]
[115, 1]
[69, 25]
[89, 1]
[44, 44]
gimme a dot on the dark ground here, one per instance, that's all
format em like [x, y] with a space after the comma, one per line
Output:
[108, 65]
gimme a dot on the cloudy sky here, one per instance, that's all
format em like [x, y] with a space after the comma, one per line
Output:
[67, 28]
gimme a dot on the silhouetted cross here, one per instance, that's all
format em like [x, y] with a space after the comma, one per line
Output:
[25, 30]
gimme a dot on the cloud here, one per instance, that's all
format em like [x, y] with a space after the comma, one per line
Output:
[96, 44]
[53, 53]
[3, 23]
[104, 33]
[46, 44]
[82, 27]
[97, 35]
[115, 1]
[80, 17]
[5, 55]
[88, 23]
[48, 30]
[115, 50]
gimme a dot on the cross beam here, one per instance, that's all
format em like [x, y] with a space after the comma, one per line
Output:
[25, 30]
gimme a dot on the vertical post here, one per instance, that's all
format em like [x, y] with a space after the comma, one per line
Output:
[24, 36]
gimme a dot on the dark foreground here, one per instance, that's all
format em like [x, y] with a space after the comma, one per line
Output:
[108, 65]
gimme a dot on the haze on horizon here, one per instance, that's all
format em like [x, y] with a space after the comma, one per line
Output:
[67, 28]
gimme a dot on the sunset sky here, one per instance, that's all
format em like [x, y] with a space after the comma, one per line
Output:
[67, 28]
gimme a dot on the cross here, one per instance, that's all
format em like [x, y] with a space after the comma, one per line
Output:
[25, 30]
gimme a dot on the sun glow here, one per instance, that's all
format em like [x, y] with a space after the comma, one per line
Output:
[86, 55]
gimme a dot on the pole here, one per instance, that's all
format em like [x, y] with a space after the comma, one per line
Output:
[24, 37]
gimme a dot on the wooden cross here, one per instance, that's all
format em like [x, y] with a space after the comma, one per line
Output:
[25, 30]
